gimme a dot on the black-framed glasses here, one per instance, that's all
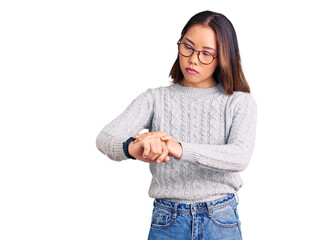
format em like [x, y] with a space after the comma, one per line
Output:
[187, 50]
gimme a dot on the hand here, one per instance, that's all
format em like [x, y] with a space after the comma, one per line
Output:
[175, 148]
[154, 150]
[149, 135]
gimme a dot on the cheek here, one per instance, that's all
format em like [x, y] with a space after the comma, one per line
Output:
[182, 64]
[209, 70]
[213, 68]
[181, 60]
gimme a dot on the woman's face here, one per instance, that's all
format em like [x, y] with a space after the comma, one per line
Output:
[200, 38]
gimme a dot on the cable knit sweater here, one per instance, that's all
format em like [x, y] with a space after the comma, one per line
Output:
[216, 131]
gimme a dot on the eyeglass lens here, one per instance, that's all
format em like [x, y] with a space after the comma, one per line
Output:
[186, 50]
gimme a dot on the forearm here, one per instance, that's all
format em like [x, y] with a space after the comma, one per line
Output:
[136, 117]
[225, 158]
[233, 156]
[111, 146]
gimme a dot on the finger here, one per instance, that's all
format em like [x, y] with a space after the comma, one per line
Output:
[146, 160]
[137, 139]
[162, 134]
[158, 134]
[156, 150]
[164, 154]
[152, 134]
[142, 134]
[161, 156]
[149, 155]
[146, 149]
[165, 138]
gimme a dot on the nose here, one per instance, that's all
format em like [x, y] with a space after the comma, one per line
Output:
[194, 58]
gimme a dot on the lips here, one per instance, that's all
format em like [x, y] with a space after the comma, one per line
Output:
[191, 70]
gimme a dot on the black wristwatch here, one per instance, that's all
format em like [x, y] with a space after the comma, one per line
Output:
[126, 147]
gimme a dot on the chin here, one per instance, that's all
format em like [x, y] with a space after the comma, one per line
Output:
[192, 79]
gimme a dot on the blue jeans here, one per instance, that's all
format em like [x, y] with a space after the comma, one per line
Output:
[212, 220]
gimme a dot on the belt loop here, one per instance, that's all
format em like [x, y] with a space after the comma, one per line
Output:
[237, 197]
[209, 209]
[175, 208]
[154, 202]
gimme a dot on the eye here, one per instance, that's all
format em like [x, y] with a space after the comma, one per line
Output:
[187, 46]
[206, 53]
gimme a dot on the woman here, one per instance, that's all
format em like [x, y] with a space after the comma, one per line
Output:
[201, 135]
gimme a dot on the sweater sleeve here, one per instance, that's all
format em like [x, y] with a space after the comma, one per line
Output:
[235, 154]
[136, 117]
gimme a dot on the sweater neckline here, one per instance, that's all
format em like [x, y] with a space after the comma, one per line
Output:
[192, 91]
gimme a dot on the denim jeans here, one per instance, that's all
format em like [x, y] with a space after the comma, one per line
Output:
[213, 220]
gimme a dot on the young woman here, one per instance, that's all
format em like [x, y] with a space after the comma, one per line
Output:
[202, 131]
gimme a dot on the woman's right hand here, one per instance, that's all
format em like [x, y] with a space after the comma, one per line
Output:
[157, 150]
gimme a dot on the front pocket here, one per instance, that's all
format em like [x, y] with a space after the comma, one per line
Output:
[162, 218]
[224, 217]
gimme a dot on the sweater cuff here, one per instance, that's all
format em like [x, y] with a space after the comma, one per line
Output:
[189, 153]
[118, 150]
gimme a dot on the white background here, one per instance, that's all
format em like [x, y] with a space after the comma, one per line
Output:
[70, 67]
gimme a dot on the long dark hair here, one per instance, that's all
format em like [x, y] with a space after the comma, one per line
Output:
[229, 71]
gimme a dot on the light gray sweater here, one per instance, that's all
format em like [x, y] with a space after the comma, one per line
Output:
[216, 131]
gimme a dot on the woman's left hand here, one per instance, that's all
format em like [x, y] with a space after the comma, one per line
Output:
[175, 148]
[158, 134]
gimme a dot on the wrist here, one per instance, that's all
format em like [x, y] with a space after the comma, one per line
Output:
[177, 150]
[127, 147]
[130, 152]
[181, 150]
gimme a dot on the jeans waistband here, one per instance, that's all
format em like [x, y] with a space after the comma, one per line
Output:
[200, 207]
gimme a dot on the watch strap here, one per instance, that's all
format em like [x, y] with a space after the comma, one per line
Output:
[126, 147]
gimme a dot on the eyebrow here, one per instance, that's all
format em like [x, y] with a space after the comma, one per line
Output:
[202, 47]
